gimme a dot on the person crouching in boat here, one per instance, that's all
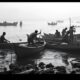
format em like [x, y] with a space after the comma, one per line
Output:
[2, 38]
[69, 36]
[33, 36]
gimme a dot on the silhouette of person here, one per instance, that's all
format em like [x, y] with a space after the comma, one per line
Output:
[57, 34]
[33, 36]
[71, 31]
[64, 32]
[2, 38]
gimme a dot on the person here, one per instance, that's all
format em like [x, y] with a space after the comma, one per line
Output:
[66, 37]
[2, 38]
[71, 31]
[64, 32]
[33, 36]
[69, 35]
[57, 34]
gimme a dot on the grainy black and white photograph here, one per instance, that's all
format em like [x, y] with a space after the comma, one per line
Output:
[39, 38]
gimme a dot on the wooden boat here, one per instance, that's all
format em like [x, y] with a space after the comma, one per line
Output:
[64, 47]
[23, 49]
[52, 23]
[8, 24]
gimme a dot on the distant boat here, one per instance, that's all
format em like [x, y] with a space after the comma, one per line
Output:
[60, 21]
[8, 24]
[52, 23]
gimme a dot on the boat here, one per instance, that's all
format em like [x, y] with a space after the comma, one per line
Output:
[22, 49]
[52, 23]
[8, 24]
[65, 47]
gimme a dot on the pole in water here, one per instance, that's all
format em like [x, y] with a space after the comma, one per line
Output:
[70, 21]
[20, 23]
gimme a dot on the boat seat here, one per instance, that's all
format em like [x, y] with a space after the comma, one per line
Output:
[23, 45]
[64, 43]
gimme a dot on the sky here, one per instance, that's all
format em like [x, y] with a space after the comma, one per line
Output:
[31, 11]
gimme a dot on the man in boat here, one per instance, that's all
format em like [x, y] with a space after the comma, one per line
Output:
[57, 34]
[64, 32]
[71, 31]
[69, 36]
[2, 38]
[66, 37]
[33, 36]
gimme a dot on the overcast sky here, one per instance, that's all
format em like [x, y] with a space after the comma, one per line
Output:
[38, 10]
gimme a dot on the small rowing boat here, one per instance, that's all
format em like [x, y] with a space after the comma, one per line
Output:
[63, 47]
[22, 49]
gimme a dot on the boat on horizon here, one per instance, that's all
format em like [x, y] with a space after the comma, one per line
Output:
[52, 23]
[8, 23]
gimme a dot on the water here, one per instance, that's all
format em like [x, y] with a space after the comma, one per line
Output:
[6, 58]
[46, 56]
[18, 34]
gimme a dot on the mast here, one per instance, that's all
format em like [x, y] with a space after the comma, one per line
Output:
[70, 21]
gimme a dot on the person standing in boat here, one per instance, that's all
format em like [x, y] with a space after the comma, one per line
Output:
[66, 37]
[2, 38]
[57, 34]
[71, 31]
[69, 35]
[64, 32]
[33, 36]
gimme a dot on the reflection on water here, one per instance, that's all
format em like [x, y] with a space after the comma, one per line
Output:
[52, 57]
[6, 58]
[47, 56]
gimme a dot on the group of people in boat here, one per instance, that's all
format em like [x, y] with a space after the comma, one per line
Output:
[67, 35]
[31, 37]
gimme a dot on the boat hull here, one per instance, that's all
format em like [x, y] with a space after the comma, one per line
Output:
[65, 48]
[26, 51]
[22, 51]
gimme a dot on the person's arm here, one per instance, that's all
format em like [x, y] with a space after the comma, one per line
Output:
[7, 40]
[40, 32]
